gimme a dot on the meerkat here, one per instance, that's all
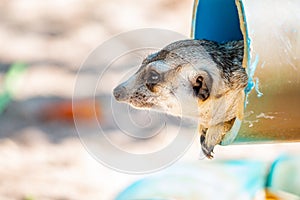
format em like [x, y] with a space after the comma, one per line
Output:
[192, 78]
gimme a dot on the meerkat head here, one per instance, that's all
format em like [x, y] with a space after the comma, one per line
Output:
[183, 79]
[192, 78]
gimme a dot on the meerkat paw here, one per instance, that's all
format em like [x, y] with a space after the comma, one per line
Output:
[210, 137]
[207, 151]
[202, 132]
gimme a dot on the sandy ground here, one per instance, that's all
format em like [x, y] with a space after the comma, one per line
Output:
[43, 158]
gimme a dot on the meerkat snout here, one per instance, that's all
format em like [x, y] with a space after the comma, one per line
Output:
[120, 93]
[200, 79]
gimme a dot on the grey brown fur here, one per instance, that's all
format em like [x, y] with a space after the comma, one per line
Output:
[229, 57]
[193, 78]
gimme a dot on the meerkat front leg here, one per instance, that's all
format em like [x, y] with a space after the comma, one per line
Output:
[212, 136]
[202, 133]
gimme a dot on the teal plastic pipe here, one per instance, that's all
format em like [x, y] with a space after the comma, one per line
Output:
[271, 33]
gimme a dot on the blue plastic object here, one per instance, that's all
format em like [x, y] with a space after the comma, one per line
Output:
[284, 175]
[216, 20]
[225, 180]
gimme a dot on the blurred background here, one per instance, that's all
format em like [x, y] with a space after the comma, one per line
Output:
[40, 153]
[43, 45]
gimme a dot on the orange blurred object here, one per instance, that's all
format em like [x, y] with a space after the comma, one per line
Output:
[85, 110]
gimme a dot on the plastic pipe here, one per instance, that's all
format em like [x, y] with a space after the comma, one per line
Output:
[271, 33]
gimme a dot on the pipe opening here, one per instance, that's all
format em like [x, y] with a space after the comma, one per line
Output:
[270, 32]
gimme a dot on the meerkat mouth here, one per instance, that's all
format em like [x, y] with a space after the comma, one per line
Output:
[141, 104]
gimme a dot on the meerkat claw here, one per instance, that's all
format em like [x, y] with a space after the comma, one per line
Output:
[208, 151]
[202, 138]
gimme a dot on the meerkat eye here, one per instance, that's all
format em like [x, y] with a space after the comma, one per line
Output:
[152, 80]
[153, 77]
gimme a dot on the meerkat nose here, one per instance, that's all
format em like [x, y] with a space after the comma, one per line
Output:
[120, 93]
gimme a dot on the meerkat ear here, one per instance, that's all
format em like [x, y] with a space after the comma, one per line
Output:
[202, 86]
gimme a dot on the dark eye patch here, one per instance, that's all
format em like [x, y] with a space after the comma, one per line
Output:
[153, 78]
